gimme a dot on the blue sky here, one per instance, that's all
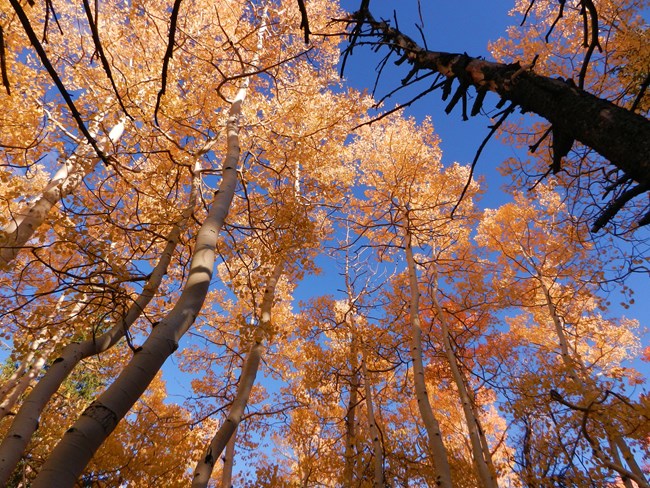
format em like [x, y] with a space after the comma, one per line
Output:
[466, 26]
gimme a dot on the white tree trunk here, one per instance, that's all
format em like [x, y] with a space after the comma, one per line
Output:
[33, 363]
[481, 453]
[437, 448]
[26, 421]
[71, 173]
[206, 464]
[229, 462]
[80, 442]
[378, 452]
[588, 388]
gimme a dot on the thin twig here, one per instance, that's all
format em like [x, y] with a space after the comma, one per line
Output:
[493, 129]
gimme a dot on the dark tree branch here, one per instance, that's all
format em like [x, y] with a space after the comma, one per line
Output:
[168, 55]
[619, 135]
[616, 205]
[304, 20]
[102, 56]
[560, 14]
[589, 6]
[3, 63]
[642, 90]
[49, 8]
[493, 129]
[57, 80]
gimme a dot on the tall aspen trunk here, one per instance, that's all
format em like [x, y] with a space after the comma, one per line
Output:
[378, 452]
[627, 482]
[204, 467]
[229, 462]
[481, 453]
[26, 421]
[26, 379]
[98, 421]
[32, 363]
[437, 448]
[80, 442]
[589, 390]
[351, 417]
[65, 181]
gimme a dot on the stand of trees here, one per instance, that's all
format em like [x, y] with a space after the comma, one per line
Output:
[171, 174]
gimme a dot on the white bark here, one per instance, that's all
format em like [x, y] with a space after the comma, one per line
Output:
[68, 177]
[205, 465]
[378, 452]
[33, 362]
[80, 442]
[481, 453]
[26, 421]
[589, 390]
[437, 448]
[229, 462]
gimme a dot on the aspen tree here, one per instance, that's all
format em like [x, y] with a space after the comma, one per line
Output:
[98, 421]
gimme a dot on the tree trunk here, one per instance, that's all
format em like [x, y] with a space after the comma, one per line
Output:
[378, 452]
[351, 416]
[589, 390]
[437, 448]
[481, 454]
[205, 465]
[26, 421]
[229, 462]
[63, 183]
[617, 134]
[80, 442]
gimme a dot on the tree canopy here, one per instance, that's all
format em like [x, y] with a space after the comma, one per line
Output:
[221, 265]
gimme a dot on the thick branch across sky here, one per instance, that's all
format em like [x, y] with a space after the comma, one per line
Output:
[617, 134]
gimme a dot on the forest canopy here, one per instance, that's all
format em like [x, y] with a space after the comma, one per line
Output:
[222, 264]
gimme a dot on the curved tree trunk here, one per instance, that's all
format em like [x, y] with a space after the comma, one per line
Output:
[71, 173]
[437, 448]
[205, 466]
[79, 443]
[26, 421]
[481, 454]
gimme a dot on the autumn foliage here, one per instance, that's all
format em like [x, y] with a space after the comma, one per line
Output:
[221, 266]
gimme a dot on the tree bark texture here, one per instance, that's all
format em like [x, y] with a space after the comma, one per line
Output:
[82, 440]
[26, 421]
[229, 462]
[377, 450]
[481, 453]
[617, 134]
[351, 416]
